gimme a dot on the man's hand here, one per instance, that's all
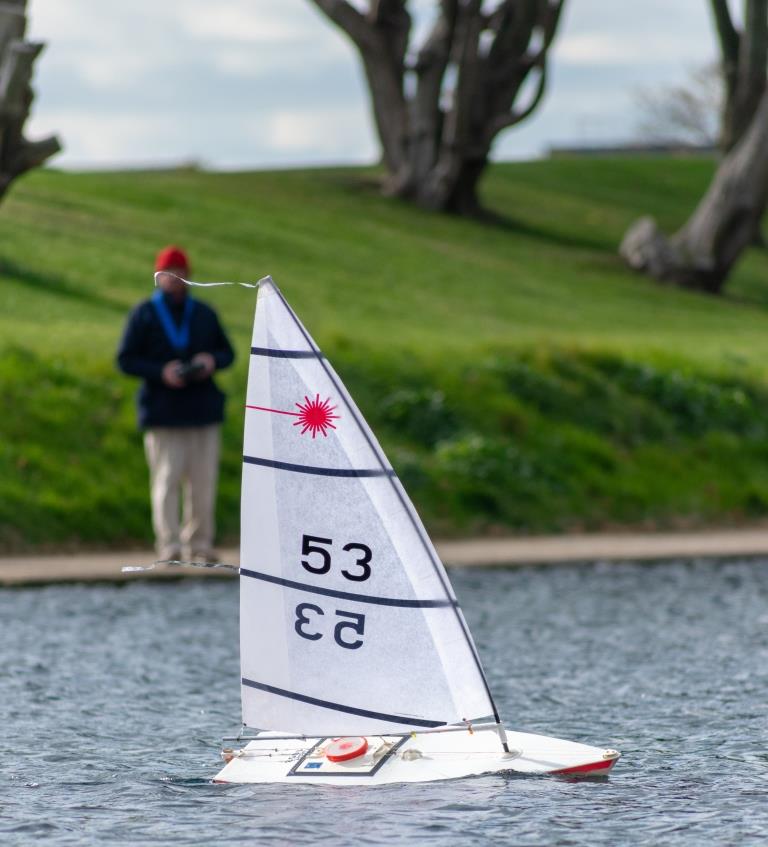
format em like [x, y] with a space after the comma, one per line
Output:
[208, 363]
[170, 374]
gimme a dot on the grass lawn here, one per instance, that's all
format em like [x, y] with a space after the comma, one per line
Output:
[521, 378]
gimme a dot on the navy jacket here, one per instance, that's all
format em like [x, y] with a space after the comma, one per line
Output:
[145, 349]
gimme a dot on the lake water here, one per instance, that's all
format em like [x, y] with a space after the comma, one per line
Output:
[113, 701]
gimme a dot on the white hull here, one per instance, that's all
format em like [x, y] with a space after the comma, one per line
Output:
[422, 757]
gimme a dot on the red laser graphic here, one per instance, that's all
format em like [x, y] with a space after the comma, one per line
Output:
[313, 416]
[316, 416]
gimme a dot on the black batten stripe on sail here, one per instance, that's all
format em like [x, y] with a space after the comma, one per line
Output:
[348, 595]
[285, 354]
[338, 707]
[288, 466]
[415, 523]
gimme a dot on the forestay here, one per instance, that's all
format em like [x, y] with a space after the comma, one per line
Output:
[348, 622]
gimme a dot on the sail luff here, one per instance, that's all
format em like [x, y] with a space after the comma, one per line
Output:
[405, 503]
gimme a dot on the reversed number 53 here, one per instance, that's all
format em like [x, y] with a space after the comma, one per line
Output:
[352, 623]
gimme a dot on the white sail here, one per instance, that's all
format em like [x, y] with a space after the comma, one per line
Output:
[348, 622]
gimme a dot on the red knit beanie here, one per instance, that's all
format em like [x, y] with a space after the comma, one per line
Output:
[172, 257]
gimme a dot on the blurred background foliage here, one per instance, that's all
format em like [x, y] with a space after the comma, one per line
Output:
[521, 379]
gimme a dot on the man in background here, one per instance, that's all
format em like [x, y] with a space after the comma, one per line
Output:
[175, 344]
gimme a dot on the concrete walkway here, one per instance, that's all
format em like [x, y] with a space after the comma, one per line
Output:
[106, 567]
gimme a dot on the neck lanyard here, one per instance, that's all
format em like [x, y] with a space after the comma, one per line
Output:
[177, 335]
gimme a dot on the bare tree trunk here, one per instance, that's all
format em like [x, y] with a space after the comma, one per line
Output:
[725, 222]
[744, 54]
[438, 113]
[17, 57]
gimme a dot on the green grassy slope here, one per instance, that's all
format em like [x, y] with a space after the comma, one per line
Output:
[521, 378]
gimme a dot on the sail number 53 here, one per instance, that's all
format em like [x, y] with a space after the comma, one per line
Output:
[317, 559]
[357, 570]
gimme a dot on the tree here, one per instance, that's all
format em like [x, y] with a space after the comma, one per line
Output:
[702, 253]
[17, 56]
[743, 53]
[727, 219]
[438, 107]
[732, 89]
[688, 113]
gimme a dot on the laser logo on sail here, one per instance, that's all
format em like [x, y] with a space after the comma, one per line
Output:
[316, 416]
[313, 416]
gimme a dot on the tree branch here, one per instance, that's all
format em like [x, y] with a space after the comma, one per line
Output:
[381, 36]
[425, 109]
[12, 25]
[32, 154]
[380, 11]
[727, 33]
[511, 62]
[465, 54]
[744, 57]
[436, 48]
[17, 58]
[392, 22]
[511, 118]
[347, 18]
[752, 56]
[730, 42]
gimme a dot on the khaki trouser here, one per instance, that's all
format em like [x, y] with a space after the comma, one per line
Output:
[183, 457]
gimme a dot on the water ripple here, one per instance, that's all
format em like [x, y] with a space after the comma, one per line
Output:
[113, 700]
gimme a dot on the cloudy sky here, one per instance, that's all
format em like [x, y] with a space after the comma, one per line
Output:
[267, 83]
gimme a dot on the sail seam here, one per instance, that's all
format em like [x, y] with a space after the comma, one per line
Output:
[285, 354]
[348, 595]
[414, 522]
[338, 707]
[346, 472]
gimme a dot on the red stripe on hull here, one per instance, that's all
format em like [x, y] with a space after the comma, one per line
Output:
[605, 765]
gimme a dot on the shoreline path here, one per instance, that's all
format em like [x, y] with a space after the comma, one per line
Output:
[481, 552]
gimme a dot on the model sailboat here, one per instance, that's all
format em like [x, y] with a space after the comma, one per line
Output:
[357, 666]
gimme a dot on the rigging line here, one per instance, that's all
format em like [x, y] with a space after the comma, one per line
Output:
[212, 284]
[348, 595]
[276, 411]
[414, 522]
